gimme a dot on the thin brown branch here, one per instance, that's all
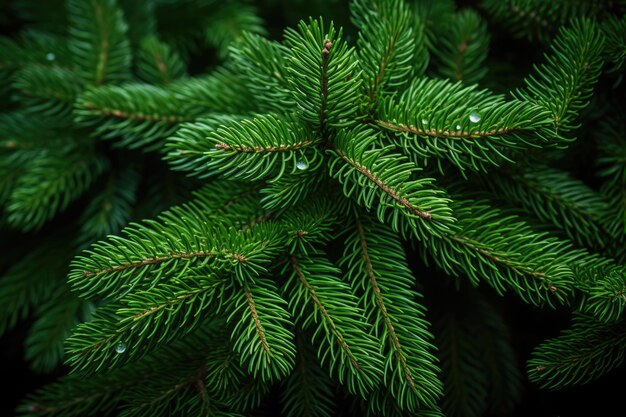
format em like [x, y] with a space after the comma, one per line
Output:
[103, 56]
[201, 386]
[382, 69]
[458, 72]
[151, 261]
[257, 322]
[324, 79]
[162, 67]
[121, 114]
[399, 127]
[258, 149]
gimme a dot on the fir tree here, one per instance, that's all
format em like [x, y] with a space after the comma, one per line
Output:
[201, 241]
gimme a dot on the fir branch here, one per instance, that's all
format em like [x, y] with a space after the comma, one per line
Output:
[98, 40]
[157, 63]
[223, 91]
[345, 347]
[310, 224]
[111, 209]
[123, 331]
[537, 19]
[141, 20]
[461, 51]
[260, 334]
[48, 92]
[390, 303]
[323, 74]
[378, 178]
[494, 246]
[387, 44]
[498, 354]
[555, 197]
[34, 48]
[184, 235]
[564, 84]
[142, 115]
[55, 319]
[265, 147]
[75, 395]
[603, 285]
[387, 190]
[308, 391]
[289, 189]
[50, 183]
[229, 22]
[465, 381]
[207, 308]
[476, 130]
[582, 353]
[614, 30]
[262, 65]
[612, 163]
[31, 280]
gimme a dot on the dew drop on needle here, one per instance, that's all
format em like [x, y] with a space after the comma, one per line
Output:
[302, 164]
[120, 347]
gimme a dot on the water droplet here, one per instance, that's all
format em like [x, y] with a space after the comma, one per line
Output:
[120, 347]
[302, 164]
[424, 121]
[50, 56]
[474, 117]
[458, 127]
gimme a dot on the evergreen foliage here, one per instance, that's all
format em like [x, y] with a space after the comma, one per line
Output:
[207, 235]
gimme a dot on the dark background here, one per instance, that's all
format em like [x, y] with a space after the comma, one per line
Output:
[529, 326]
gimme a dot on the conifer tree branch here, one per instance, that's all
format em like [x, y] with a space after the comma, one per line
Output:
[565, 82]
[387, 44]
[400, 127]
[261, 334]
[381, 305]
[386, 189]
[262, 64]
[398, 195]
[520, 269]
[126, 115]
[183, 236]
[229, 299]
[130, 322]
[555, 197]
[257, 322]
[376, 265]
[328, 320]
[478, 128]
[157, 63]
[98, 40]
[323, 74]
[308, 390]
[507, 253]
[344, 344]
[265, 147]
[462, 47]
[581, 353]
